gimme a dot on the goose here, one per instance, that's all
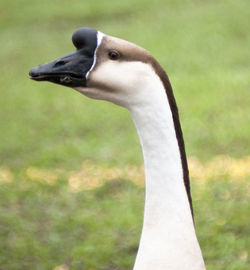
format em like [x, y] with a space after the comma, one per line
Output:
[108, 68]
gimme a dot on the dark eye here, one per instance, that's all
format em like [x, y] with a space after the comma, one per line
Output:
[114, 55]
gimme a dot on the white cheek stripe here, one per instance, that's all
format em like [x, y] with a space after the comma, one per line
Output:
[100, 36]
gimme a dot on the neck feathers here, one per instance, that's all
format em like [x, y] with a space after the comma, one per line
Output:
[168, 239]
[175, 114]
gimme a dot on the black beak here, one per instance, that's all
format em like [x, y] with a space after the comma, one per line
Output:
[71, 69]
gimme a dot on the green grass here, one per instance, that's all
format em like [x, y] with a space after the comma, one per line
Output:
[43, 226]
[204, 47]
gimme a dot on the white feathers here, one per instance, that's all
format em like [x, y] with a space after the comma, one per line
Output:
[100, 36]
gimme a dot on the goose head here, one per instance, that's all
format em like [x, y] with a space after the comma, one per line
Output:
[104, 67]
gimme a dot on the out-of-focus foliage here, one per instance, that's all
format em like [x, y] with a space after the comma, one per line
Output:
[203, 45]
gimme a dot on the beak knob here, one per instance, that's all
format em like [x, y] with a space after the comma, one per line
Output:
[84, 37]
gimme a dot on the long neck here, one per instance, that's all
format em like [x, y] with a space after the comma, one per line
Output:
[168, 239]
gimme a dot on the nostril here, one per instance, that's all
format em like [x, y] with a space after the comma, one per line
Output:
[61, 63]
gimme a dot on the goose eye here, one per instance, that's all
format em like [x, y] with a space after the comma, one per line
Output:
[114, 55]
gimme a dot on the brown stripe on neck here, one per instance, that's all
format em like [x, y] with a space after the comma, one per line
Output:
[169, 91]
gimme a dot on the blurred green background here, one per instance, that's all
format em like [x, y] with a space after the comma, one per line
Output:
[203, 46]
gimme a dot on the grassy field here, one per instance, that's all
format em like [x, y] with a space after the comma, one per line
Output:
[47, 132]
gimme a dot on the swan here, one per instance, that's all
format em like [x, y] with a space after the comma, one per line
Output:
[108, 68]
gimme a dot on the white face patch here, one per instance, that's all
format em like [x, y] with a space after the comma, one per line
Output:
[123, 83]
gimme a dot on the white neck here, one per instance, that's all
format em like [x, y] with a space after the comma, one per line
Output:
[168, 240]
